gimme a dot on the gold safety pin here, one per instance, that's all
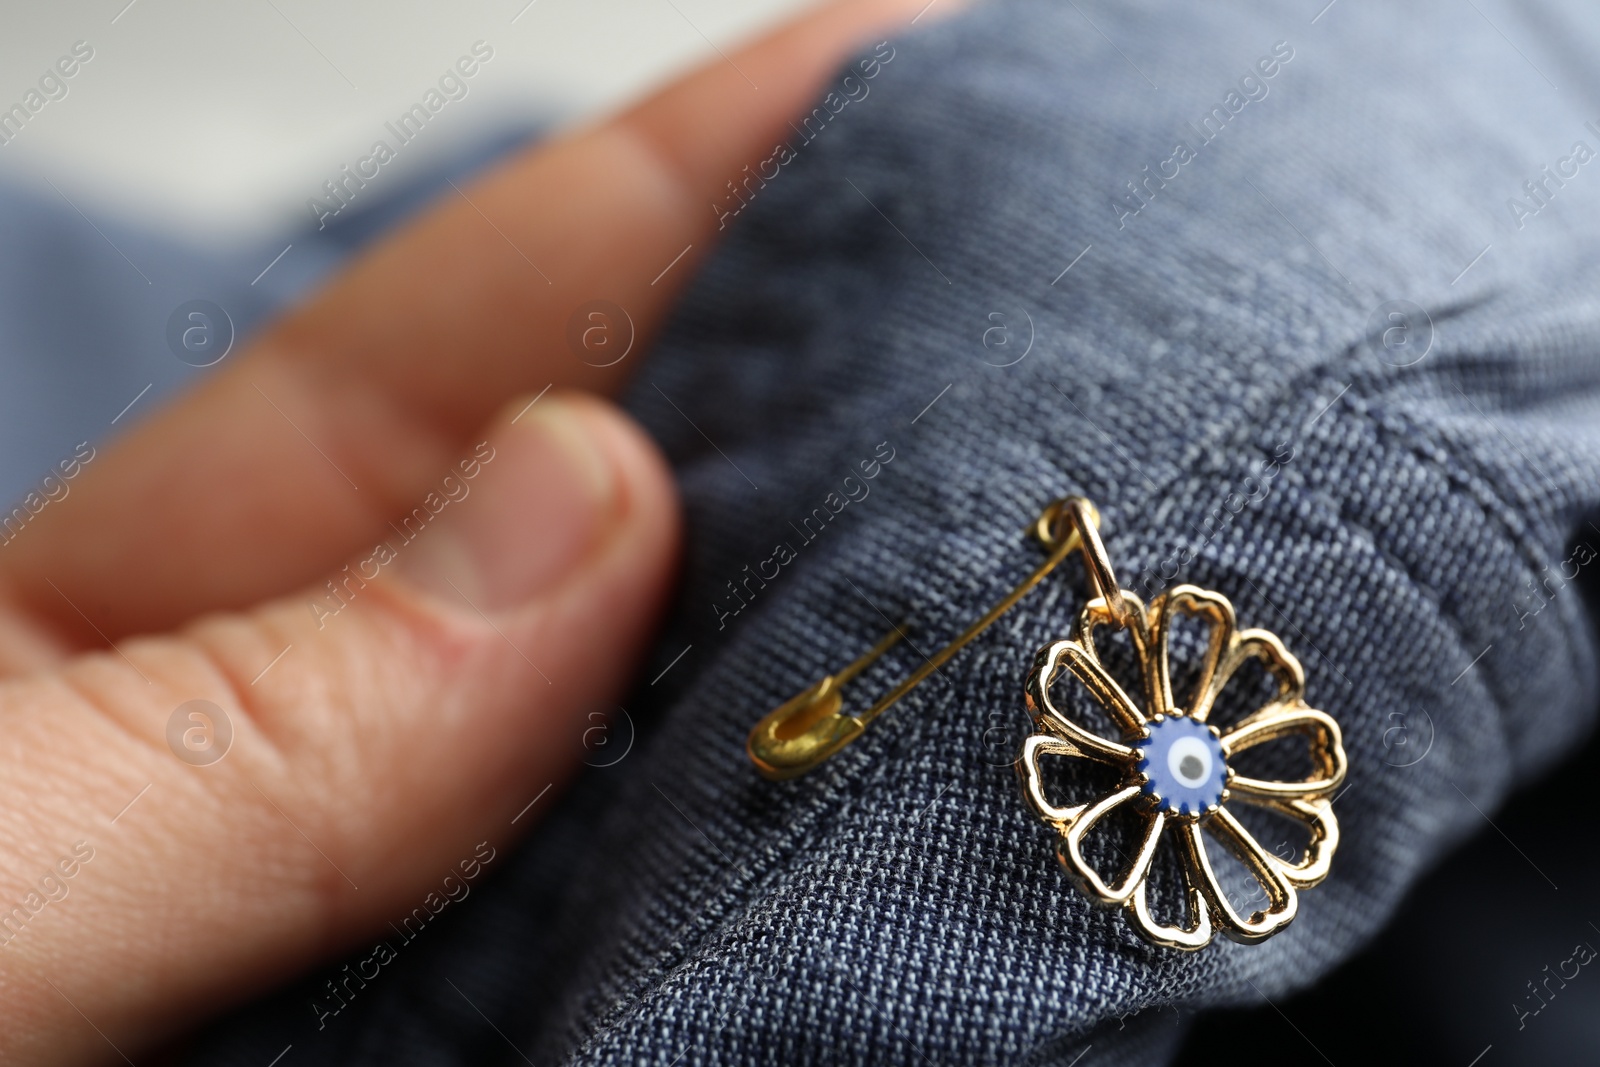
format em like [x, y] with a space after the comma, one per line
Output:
[807, 729]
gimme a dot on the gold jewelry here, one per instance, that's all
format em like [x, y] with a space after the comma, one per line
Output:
[1173, 765]
[808, 728]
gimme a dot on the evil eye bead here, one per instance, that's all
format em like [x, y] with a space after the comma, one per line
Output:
[1181, 766]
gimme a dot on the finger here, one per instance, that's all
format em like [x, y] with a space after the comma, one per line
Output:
[600, 213]
[338, 417]
[381, 729]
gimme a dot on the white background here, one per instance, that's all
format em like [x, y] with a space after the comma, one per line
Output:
[220, 119]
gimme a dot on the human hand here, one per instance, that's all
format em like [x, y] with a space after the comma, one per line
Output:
[384, 724]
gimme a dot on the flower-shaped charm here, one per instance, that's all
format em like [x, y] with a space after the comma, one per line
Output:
[1174, 768]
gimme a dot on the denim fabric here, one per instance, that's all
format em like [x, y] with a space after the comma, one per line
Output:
[900, 905]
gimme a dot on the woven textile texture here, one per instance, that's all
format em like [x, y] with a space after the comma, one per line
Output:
[1057, 248]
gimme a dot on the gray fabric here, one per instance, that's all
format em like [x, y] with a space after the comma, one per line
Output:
[900, 905]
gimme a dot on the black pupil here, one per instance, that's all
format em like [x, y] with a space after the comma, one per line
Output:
[1191, 767]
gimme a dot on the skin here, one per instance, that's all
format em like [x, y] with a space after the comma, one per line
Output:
[391, 739]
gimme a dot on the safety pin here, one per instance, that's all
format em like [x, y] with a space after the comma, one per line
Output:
[807, 729]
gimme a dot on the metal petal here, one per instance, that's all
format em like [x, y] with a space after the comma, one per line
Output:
[1278, 660]
[1032, 777]
[1097, 613]
[1133, 875]
[1188, 938]
[1084, 665]
[1328, 759]
[1201, 603]
[1261, 865]
[1323, 825]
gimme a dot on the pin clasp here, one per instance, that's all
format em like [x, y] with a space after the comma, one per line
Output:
[807, 729]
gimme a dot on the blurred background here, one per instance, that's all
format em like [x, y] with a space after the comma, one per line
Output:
[173, 172]
[219, 121]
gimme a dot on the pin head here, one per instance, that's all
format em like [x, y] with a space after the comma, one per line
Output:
[1181, 765]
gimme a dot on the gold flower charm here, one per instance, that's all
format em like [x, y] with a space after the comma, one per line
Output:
[1174, 766]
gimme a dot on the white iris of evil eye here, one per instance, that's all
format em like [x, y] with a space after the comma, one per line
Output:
[1189, 761]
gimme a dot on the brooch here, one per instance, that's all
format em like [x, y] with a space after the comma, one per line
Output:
[1174, 772]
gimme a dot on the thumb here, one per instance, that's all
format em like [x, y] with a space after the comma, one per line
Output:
[380, 732]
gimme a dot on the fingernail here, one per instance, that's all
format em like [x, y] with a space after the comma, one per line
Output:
[539, 503]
